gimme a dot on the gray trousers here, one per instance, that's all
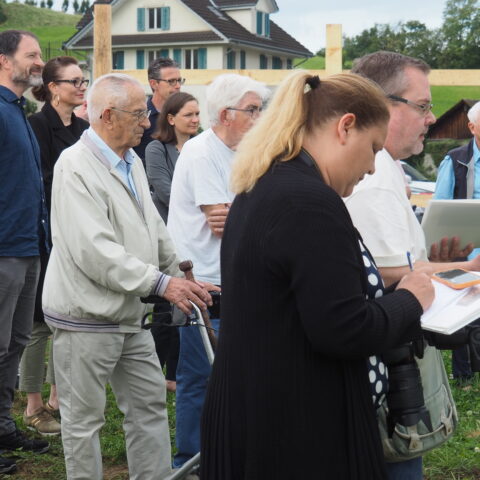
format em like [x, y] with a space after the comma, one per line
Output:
[84, 363]
[32, 365]
[18, 284]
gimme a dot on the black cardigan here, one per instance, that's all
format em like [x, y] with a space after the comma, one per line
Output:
[289, 395]
[53, 137]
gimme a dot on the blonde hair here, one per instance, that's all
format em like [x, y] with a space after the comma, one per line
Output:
[298, 108]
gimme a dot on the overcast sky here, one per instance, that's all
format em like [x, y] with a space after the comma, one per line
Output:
[306, 19]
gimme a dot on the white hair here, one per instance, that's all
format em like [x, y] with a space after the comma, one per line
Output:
[108, 91]
[474, 113]
[227, 90]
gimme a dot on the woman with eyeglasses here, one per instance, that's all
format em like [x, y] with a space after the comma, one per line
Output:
[56, 128]
[178, 122]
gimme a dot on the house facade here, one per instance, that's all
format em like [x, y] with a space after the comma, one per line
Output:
[197, 34]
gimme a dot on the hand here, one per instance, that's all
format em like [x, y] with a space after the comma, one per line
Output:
[181, 291]
[216, 219]
[420, 285]
[447, 250]
[210, 287]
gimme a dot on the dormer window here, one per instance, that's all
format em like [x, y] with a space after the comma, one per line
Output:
[263, 24]
[157, 18]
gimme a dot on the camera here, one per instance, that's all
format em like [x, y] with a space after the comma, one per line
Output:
[406, 403]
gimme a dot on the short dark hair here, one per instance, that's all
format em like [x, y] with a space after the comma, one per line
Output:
[9, 40]
[387, 70]
[164, 131]
[154, 69]
[50, 74]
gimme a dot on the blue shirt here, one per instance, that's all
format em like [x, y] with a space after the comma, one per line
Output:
[122, 166]
[446, 182]
[23, 211]
[446, 177]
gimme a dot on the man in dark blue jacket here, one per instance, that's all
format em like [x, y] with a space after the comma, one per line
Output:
[23, 220]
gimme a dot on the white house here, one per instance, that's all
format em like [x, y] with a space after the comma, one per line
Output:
[197, 34]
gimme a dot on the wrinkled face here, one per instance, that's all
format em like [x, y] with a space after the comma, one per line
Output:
[161, 88]
[127, 129]
[67, 93]
[241, 120]
[27, 64]
[475, 129]
[408, 124]
[187, 119]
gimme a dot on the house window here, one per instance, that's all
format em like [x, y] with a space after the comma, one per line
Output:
[118, 60]
[289, 64]
[231, 60]
[195, 58]
[263, 62]
[243, 61]
[263, 24]
[277, 63]
[153, 18]
[153, 54]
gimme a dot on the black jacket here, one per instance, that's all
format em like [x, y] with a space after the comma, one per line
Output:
[53, 137]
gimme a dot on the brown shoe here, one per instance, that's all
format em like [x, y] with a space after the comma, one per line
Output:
[54, 412]
[42, 422]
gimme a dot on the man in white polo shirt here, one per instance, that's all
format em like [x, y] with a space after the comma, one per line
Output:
[199, 202]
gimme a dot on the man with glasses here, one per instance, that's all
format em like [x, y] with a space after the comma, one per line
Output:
[110, 248]
[199, 202]
[165, 80]
[382, 213]
[23, 225]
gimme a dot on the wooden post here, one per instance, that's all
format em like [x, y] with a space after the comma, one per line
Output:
[102, 39]
[333, 50]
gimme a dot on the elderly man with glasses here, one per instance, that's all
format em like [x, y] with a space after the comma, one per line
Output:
[110, 248]
[165, 80]
[199, 201]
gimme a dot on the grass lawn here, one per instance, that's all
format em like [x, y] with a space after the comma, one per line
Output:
[459, 459]
[444, 98]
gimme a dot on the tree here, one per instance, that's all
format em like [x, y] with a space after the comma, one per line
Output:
[65, 5]
[42, 4]
[461, 34]
[84, 6]
[76, 6]
[49, 4]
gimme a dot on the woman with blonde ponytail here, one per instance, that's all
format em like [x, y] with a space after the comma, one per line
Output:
[305, 318]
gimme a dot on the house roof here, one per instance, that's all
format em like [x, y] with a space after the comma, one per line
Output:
[225, 29]
[453, 122]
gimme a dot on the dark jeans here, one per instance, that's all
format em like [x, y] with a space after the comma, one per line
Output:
[409, 470]
[461, 366]
[18, 285]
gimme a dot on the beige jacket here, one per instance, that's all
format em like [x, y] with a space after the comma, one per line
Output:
[108, 248]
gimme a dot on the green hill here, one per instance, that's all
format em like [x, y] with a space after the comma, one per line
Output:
[51, 27]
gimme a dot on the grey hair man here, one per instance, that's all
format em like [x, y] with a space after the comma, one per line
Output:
[114, 251]
[199, 202]
[24, 224]
[382, 213]
[165, 80]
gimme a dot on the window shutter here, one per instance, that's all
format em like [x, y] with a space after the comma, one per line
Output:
[263, 62]
[277, 63]
[140, 59]
[202, 58]
[164, 53]
[266, 31]
[118, 60]
[177, 55]
[259, 23]
[231, 60]
[242, 60]
[140, 19]
[165, 18]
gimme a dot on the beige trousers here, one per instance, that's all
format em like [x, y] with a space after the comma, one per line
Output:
[84, 363]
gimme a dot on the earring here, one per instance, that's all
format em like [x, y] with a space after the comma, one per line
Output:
[56, 100]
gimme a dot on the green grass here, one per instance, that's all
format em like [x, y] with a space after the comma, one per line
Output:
[444, 98]
[314, 63]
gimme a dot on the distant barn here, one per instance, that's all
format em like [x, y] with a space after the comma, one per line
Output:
[453, 123]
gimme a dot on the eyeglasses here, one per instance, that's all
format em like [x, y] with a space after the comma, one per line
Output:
[254, 112]
[425, 108]
[76, 82]
[140, 116]
[172, 81]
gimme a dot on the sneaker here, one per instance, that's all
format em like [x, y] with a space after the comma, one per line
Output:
[18, 441]
[7, 465]
[42, 422]
[54, 412]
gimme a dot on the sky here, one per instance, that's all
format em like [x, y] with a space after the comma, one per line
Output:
[305, 20]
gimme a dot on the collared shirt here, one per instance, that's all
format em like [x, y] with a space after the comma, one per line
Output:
[446, 177]
[23, 211]
[122, 166]
[147, 134]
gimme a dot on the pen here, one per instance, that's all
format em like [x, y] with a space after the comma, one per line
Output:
[409, 258]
